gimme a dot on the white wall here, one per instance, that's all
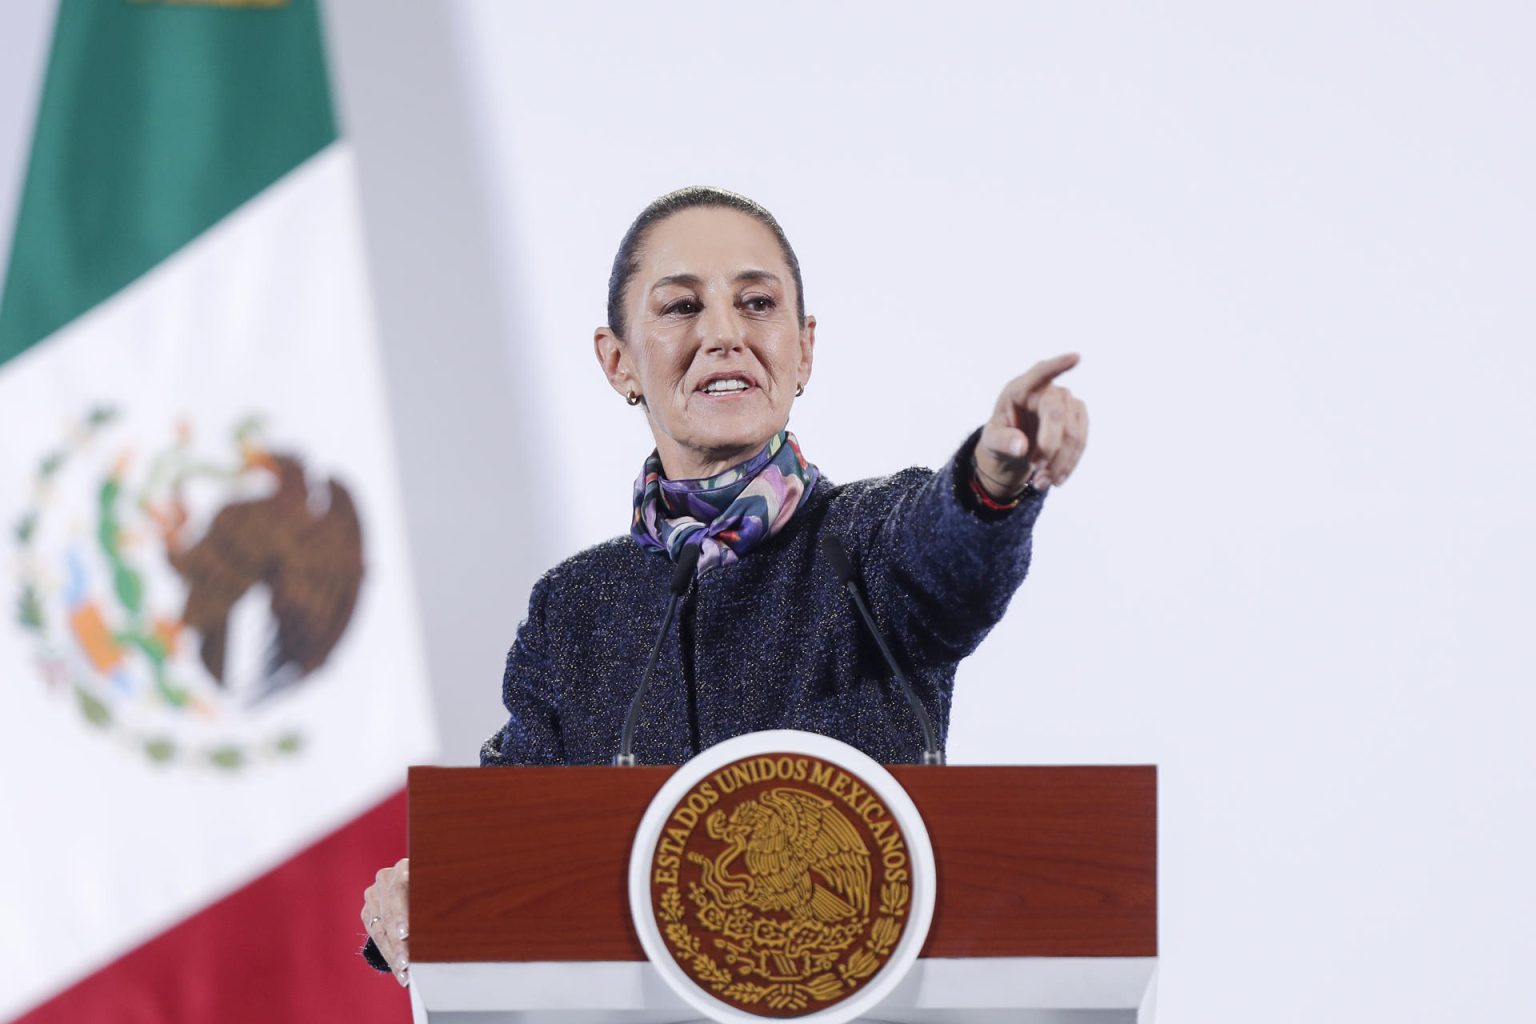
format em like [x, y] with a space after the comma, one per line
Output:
[1295, 248]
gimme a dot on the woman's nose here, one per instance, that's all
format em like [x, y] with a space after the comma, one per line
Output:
[721, 328]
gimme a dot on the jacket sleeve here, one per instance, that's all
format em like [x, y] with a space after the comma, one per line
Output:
[531, 691]
[374, 958]
[939, 568]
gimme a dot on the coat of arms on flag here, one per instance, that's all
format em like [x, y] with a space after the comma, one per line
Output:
[174, 593]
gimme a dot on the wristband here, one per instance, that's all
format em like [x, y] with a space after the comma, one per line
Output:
[986, 500]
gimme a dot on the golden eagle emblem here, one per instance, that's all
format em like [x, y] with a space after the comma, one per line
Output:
[801, 855]
[781, 884]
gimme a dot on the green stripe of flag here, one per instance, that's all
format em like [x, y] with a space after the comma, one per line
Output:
[156, 120]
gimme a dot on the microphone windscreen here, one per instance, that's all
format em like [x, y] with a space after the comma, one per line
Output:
[837, 557]
[682, 575]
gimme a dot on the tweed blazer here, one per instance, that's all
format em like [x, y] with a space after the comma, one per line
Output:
[771, 641]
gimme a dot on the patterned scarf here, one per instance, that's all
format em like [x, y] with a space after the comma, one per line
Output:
[726, 515]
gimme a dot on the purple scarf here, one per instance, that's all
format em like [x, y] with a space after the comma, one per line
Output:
[726, 515]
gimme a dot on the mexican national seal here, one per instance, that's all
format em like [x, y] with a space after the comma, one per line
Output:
[781, 882]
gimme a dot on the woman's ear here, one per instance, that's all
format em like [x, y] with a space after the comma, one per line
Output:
[807, 349]
[614, 361]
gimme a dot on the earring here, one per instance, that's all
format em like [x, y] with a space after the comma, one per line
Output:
[632, 398]
[799, 390]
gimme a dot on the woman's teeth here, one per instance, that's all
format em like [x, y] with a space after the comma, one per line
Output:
[718, 387]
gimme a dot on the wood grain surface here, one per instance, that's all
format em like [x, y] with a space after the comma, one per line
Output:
[525, 864]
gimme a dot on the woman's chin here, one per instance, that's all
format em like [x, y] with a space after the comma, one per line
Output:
[729, 446]
[741, 444]
[730, 428]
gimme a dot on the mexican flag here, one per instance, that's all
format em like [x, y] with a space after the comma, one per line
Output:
[211, 676]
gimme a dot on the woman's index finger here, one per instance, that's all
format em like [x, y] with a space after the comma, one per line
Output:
[1039, 377]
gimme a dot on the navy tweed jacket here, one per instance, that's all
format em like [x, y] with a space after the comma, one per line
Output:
[771, 641]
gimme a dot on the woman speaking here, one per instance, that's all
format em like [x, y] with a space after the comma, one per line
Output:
[707, 336]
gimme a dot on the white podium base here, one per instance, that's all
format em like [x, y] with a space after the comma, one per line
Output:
[990, 990]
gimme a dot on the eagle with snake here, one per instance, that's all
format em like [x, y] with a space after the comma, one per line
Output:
[309, 559]
[801, 855]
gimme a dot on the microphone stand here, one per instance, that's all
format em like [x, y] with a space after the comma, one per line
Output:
[682, 575]
[837, 555]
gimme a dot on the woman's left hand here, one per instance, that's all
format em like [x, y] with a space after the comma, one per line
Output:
[1037, 430]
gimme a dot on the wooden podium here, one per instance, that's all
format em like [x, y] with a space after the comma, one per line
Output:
[1046, 907]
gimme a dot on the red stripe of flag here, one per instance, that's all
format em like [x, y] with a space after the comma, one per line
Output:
[282, 949]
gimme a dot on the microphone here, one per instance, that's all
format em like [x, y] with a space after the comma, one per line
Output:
[837, 556]
[682, 575]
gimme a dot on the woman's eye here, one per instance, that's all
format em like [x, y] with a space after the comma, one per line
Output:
[682, 307]
[759, 304]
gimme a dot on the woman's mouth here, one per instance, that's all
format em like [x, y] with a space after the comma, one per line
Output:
[724, 385]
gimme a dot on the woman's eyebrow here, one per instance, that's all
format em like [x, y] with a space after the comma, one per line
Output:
[695, 281]
[757, 275]
[691, 280]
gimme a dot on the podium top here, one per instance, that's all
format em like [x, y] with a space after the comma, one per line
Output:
[530, 864]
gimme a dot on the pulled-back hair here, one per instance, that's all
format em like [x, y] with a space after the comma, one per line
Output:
[627, 261]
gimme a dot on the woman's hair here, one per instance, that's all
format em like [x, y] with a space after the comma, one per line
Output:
[627, 261]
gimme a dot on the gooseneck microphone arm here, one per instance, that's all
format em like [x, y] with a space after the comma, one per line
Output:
[682, 575]
[837, 557]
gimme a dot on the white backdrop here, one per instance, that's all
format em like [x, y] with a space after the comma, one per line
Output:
[1295, 248]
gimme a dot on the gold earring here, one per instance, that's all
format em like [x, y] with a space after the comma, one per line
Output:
[632, 398]
[799, 390]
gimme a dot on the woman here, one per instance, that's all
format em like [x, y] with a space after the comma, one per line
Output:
[707, 335]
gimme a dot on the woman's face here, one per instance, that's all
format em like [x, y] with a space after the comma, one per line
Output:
[713, 346]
